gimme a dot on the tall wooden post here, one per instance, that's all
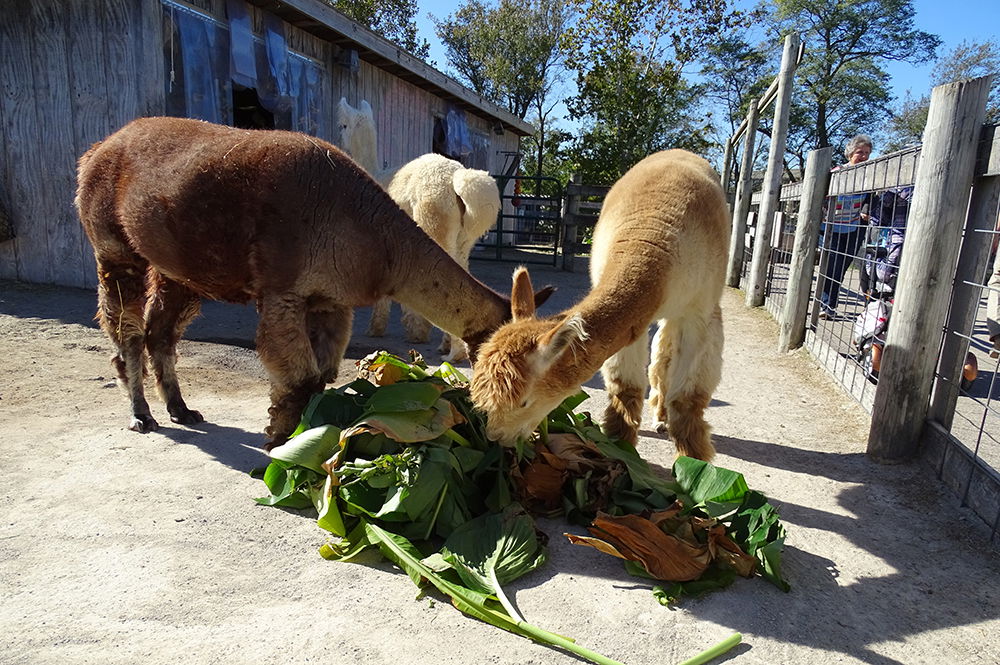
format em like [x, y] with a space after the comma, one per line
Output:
[744, 192]
[727, 171]
[772, 181]
[814, 186]
[965, 297]
[570, 210]
[933, 235]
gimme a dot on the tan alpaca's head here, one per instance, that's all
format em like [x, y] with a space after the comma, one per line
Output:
[520, 374]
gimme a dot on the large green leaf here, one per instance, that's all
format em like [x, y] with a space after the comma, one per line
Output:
[706, 482]
[494, 549]
[310, 449]
[406, 396]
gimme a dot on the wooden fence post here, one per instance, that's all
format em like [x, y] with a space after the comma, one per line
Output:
[744, 192]
[814, 185]
[772, 181]
[571, 207]
[940, 201]
[972, 259]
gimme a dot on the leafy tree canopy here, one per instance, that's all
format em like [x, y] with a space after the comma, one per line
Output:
[393, 19]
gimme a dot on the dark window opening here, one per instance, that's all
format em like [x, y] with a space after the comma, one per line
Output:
[248, 112]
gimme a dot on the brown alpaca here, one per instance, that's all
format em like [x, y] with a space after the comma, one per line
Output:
[659, 254]
[179, 210]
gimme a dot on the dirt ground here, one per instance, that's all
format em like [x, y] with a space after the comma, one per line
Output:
[127, 548]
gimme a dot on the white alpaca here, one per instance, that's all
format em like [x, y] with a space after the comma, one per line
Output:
[452, 204]
[659, 254]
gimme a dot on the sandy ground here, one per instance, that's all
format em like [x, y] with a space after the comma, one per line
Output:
[124, 548]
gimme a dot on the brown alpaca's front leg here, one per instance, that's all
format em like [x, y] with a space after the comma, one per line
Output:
[121, 293]
[380, 317]
[329, 332]
[169, 310]
[286, 352]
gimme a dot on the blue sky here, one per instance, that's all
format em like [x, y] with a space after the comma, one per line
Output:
[952, 20]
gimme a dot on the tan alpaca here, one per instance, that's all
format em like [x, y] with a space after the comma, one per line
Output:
[659, 254]
[179, 210]
[454, 205]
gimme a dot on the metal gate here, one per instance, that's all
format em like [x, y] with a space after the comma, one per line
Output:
[529, 224]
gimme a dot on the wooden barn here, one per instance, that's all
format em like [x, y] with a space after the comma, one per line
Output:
[73, 71]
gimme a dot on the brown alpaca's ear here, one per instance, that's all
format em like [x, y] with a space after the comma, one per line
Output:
[542, 294]
[568, 332]
[522, 297]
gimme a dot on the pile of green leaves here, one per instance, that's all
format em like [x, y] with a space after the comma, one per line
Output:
[398, 461]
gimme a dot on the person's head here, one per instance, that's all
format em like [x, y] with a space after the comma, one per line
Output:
[859, 149]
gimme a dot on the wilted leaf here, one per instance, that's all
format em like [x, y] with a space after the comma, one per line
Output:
[664, 556]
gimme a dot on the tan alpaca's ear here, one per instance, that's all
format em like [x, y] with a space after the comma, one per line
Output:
[522, 296]
[567, 333]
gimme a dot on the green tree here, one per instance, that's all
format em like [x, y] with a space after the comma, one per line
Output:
[967, 60]
[510, 54]
[841, 86]
[633, 97]
[393, 19]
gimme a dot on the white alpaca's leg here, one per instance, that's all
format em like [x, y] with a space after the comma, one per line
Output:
[625, 380]
[693, 375]
[659, 366]
[458, 351]
[380, 318]
[416, 328]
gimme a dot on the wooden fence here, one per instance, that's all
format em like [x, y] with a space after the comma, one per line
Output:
[956, 184]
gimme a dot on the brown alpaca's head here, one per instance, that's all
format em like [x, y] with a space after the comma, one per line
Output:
[520, 376]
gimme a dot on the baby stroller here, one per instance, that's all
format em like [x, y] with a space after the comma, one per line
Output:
[879, 271]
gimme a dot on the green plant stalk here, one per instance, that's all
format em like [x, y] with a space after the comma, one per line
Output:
[458, 438]
[437, 510]
[502, 597]
[465, 601]
[716, 651]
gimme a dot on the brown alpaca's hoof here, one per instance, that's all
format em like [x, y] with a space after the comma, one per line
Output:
[187, 417]
[143, 423]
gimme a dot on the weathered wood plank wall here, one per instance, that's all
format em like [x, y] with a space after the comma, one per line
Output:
[73, 71]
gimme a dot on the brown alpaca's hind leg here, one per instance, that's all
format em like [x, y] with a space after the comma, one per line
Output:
[416, 328]
[286, 352]
[380, 317]
[329, 332]
[169, 310]
[625, 380]
[121, 296]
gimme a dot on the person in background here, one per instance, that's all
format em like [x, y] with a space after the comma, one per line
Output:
[847, 231]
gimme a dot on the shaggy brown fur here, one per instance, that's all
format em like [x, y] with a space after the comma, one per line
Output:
[658, 254]
[179, 210]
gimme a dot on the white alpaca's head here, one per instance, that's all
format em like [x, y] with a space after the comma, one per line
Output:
[519, 376]
[357, 137]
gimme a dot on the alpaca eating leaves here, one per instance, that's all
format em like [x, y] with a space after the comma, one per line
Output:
[659, 255]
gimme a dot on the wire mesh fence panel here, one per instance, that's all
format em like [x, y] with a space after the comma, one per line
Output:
[782, 242]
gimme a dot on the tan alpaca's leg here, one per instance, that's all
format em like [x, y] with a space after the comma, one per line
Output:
[286, 352]
[458, 350]
[380, 318]
[695, 372]
[329, 332]
[416, 328]
[625, 380]
[121, 298]
[169, 310]
[662, 347]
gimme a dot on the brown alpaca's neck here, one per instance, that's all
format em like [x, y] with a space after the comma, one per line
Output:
[431, 283]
